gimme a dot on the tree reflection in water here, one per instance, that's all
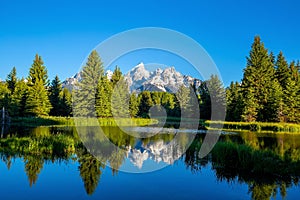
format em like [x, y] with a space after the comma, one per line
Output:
[268, 164]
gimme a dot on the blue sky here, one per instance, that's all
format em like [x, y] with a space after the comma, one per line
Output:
[64, 33]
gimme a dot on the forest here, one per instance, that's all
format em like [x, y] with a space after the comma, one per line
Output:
[268, 92]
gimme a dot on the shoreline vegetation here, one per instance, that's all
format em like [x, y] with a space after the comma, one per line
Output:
[260, 127]
[266, 100]
[260, 162]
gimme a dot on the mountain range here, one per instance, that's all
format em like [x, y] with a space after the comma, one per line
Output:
[140, 79]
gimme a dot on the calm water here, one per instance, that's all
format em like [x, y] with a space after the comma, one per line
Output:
[76, 174]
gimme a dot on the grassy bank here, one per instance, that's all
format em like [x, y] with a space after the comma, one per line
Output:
[171, 121]
[255, 126]
[68, 121]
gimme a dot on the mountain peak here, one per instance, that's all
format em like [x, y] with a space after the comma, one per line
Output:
[166, 80]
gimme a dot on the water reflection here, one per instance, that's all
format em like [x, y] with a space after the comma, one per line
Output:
[268, 164]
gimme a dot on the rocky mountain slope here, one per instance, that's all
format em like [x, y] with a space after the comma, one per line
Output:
[140, 79]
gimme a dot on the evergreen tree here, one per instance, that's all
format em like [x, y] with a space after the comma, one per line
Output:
[133, 105]
[257, 83]
[38, 72]
[11, 80]
[66, 103]
[103, 98]
[55, 97]
[37, 102]
[19, 97]
[282, 70]
[145, 103]
[234, 102]
[120, 99]
[85, 94]
[292, 96]
[116, 76]
[168, 101]
[183, 98]
[4, 95]
[211, 93]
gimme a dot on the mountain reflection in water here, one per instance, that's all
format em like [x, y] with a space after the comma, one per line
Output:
[268, 164]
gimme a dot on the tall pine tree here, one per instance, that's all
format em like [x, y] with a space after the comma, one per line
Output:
[37, 102]
[257, 83]
[86, 91]
[55, 97]
[11, 80]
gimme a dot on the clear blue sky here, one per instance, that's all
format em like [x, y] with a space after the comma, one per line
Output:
[64, 32]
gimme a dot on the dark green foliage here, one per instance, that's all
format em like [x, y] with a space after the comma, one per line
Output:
[38, 72]
[90, 172]
[85, 94]
[33, 167]
[37, 101]
[103, 98]
[145, 103]
[260, 89]
[282, 70]
[4, 95]
[66, 103]
[55, 97]
[120, 99]
[234, 102]
[18, 99]
[116, 76]
[183, 98]
[212, 93]
[11, 80]
[256, 81]
[133, 105]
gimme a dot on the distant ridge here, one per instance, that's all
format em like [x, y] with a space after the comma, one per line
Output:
[140, 79]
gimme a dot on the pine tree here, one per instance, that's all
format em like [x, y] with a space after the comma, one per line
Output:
[217, 96]
[183, 98]
[145, 103]
[4, 95]
[11, 80]
[66, 103]
[234, 102]
[116, 76]
[133, 105]
[103, 98]
[38, 72]
[85, 94]
[291, 101]
[19, 97]
[257, 82]
[37, 102]
[168, 101]
[55, 97]
[120, 99]
[282, 70]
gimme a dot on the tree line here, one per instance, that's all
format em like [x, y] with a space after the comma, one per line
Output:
[35, 95]
[269, 91]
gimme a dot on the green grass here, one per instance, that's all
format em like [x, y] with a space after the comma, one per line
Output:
[230, 126]
[68, 121]
[256, 126]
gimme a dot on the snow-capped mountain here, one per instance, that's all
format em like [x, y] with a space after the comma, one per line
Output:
[164, 80]
[140, 79]
[70, 83]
